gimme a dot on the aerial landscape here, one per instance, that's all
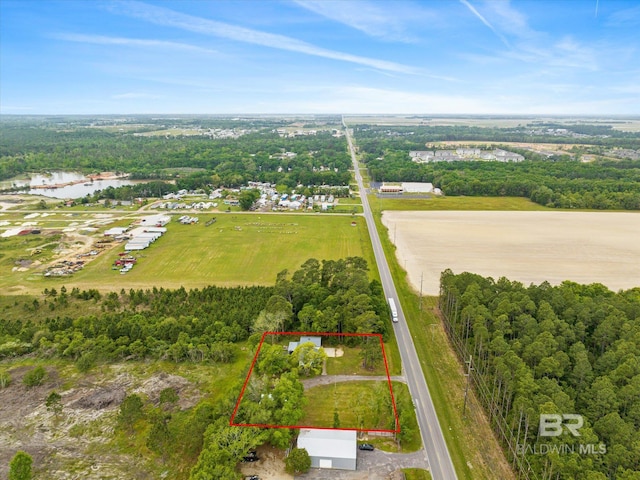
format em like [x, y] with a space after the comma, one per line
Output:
[311, 239]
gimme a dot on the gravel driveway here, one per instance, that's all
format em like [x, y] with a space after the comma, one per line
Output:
[376, 465]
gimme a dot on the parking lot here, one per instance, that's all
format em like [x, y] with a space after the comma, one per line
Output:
[376, 465]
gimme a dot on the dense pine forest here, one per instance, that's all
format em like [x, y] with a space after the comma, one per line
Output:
[569, 349]
[196, 325]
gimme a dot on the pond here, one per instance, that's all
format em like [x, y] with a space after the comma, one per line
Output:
[67, 184]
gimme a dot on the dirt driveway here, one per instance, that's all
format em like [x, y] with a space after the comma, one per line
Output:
[269, 467]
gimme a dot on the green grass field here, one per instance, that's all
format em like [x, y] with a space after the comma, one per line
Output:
[351, 362]
[416, 474]
[239, 249]
[365, 405]
[360, 404]
[349, 201]
[456, 203]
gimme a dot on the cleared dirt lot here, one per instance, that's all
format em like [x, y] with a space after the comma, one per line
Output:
[530, 247]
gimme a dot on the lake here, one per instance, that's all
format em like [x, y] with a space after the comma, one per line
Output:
[65, 184]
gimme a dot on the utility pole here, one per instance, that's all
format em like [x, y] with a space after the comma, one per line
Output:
[466, 388]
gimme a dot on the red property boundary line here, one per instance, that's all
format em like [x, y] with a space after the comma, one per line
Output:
[321, 334]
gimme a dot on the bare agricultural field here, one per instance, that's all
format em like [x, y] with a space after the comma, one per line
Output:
[627, 124]
[556, 148]
[631, 125]
[530, 247]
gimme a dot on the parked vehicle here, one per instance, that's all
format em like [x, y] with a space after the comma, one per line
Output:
[252, 456]
[394, 310]
[366, 446]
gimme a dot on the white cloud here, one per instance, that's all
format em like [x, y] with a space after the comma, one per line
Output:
[134, 95]
[530, 46]
[486, 22]
[508, 19]
[359, 99]
[368, 100]
[14, 108]
[171, 18]
[364, 16]
[627, 17]
[132, 42]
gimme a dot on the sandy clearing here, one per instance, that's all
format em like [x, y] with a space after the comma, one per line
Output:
[269, 467]
[530, 247]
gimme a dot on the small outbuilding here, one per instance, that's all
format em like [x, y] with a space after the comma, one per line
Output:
[330, 448]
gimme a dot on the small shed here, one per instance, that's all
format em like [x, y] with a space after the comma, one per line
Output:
[330, 448]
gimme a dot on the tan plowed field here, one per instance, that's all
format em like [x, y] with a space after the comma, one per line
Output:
[530, 247]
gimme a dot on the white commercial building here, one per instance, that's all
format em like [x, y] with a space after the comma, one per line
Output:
[417, 187]
[330, 448]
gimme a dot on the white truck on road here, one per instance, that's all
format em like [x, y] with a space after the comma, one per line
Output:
[394, 310]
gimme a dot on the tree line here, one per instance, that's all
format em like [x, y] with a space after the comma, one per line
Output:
[552, 183]
[415, 137]
[542, 349]
[196, 325]
[256, 156]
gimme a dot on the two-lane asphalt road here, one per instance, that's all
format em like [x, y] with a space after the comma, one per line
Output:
[437, 453]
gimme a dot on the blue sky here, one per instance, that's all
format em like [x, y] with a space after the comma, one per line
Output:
[320, 56]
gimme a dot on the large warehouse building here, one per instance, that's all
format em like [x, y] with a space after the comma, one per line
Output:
[330, 448]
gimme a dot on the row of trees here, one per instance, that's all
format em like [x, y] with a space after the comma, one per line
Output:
[552, 183]
[180, 325]
[200, 324]
[569, 349]
[329, 296]
[415, 137]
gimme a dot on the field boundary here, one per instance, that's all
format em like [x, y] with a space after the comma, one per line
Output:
[320, 334]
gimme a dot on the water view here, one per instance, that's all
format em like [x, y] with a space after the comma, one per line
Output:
[66, 184]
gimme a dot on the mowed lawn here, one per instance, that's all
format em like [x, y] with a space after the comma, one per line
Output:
[350, 363]
[456, 203]
[239, 249]
[359, 404]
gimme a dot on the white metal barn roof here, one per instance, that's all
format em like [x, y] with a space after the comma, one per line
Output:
[417, 187]
[116, 231]
[317, 341]
[328, 443]
[135, 246]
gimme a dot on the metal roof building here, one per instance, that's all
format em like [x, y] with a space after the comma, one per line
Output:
[330, 448]
[317, 341]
